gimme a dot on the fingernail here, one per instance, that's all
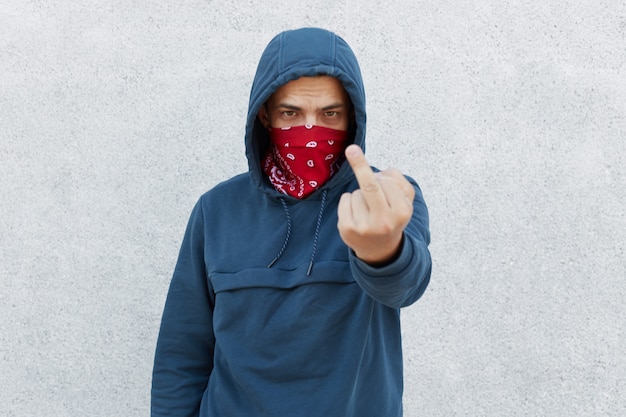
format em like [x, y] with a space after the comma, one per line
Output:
[352, 151]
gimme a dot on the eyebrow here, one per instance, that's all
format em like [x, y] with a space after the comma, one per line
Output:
[296, 108]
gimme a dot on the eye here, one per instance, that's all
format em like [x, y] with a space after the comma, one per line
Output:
[331, 114]
[289, 113]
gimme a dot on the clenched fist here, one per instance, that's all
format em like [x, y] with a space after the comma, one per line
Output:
[372, 218]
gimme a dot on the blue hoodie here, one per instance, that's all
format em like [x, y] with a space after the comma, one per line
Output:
[269, 313]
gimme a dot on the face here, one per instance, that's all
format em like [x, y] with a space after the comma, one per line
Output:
[320, 101]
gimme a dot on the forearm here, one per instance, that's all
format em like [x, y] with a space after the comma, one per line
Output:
[403, 280]
[399, 283]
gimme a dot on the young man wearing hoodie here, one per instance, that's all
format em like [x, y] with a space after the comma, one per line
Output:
[286, 297]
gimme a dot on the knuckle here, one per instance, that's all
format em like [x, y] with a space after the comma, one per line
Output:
[386, 227]
[362, 230]
[405, 212]
[380, 227]
[371, 187]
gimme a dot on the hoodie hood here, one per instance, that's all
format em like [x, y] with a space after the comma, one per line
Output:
[306, 52]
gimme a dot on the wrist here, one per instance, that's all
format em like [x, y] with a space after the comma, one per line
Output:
[382, 259]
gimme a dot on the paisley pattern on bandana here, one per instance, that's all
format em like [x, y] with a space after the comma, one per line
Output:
[303, 158]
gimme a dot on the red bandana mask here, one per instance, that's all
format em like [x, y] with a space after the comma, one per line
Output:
[302, 158]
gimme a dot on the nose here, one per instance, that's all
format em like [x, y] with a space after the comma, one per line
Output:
[310, 119]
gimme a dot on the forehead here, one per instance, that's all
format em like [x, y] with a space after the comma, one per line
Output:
[305, 88]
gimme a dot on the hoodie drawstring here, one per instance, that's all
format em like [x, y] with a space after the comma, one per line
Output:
[288, 233]
[317, 232]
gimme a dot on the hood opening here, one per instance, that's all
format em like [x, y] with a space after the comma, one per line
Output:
[289, 56]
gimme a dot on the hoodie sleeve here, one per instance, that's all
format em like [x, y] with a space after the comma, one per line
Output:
[184, 353]
[402, 282]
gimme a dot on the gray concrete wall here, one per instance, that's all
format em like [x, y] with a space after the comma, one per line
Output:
[115, 116]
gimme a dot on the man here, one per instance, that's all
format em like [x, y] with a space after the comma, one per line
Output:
[286, 297]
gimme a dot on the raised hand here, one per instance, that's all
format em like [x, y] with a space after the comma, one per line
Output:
[372, 218]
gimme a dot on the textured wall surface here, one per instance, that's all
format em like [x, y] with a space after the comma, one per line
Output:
[115, 116]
